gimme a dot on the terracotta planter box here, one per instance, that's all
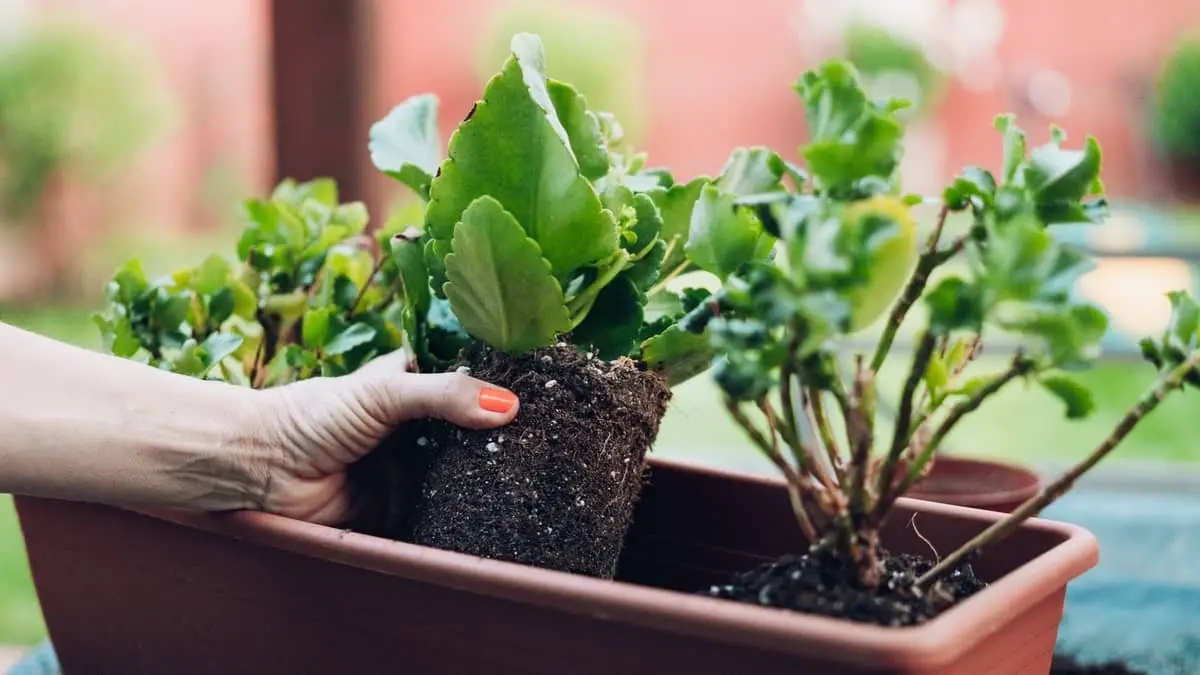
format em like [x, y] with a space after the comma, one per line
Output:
[133, 593]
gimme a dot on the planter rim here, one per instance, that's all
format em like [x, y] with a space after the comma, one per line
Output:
[715, 619]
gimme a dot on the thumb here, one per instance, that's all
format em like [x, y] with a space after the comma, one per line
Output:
[453, 397]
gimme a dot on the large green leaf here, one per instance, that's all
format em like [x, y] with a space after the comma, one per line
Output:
[722, 237]
[515, 149]
[404, 144]
[499, 285]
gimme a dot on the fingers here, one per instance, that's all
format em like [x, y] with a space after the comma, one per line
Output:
[454, 397]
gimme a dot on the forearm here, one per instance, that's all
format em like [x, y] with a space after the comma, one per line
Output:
[80, 425]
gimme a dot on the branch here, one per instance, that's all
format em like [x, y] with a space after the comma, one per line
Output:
[904, 419]
[826, 431]
[579, 306]
[930, 259]
[860, 431]
[363, 291]
[771, 450]
[1049, 494]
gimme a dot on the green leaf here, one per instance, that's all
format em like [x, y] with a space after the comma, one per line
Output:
[404, 144]
[117, 335]
[212, 275]
[721, 237]
[1014, 146]
[245, 301]
[1055, 174]
[515, 150]
[221, 305]
[937, 377]
[645, 272]
[954, 305]
[315, 327]
[1074, 395]
[171, 310]
[675, 204]
[500, 287]
[750, 171]
[678, 354]
[583, 129]
[188, 360]
[1183, 330]
[344, 293]
[296, 357]
[355, 334]
[409, 257]
[613, 322]
[217, 347]
[128, 282]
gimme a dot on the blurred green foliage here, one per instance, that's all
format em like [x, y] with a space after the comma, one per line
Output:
[71, 100]
[880, 55]
[1175, 122]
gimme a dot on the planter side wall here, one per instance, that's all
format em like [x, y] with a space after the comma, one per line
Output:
[128, 593]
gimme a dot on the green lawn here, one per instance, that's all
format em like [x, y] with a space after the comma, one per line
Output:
[1014, 425]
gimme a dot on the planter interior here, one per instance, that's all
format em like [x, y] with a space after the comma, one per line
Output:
[127, 592]
[976, 483]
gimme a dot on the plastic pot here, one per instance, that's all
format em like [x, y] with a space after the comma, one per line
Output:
[977, 483]
[129, 592]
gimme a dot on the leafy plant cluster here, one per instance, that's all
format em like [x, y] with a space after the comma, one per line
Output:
[307, 296]
[848, 254]
[538, 226]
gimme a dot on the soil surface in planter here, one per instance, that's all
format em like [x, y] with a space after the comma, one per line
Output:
[1066, 665]
[556, 487]
[818, 584]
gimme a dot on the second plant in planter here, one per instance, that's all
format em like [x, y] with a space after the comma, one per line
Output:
[850, 256]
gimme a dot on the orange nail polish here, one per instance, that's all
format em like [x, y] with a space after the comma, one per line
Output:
[496, 400]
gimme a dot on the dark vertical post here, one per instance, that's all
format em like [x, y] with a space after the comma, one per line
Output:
[323, 81]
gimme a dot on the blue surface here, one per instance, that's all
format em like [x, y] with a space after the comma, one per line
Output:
[1141, 604]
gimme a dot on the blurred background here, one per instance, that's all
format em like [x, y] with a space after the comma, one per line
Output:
[137, 127]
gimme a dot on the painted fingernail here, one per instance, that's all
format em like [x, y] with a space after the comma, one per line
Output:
[496, 400]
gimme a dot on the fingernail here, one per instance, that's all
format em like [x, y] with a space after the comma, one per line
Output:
[496, 400]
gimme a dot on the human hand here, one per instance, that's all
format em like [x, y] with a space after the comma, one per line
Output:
[313, 430]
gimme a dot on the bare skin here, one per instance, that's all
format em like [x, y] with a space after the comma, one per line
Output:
[85, 426]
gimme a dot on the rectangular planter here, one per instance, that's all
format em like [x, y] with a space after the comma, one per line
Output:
[130, 593]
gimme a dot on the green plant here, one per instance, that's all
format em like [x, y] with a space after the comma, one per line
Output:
[71, 100]
[1175, 121]
[846, 238]
[563, 233]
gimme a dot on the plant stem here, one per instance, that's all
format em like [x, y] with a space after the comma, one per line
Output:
[815, 398]
[904, 419]
[579, 306]
[771, 451]
[860, 431]
[1020, 366]
[363, 291]
[662, 283]
[1047, 496]
[928, 261]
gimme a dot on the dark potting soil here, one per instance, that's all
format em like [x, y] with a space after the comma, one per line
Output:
[556, 487]
[816, 583]
[1067, 665]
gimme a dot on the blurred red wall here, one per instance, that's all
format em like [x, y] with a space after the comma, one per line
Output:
[719, 76]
